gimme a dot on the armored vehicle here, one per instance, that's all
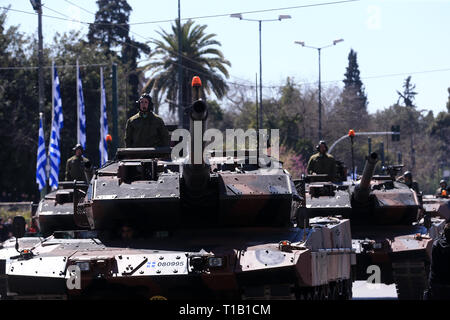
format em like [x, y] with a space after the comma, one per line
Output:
[391, 235]
[212, 227]
[436, 206]
[55, 211]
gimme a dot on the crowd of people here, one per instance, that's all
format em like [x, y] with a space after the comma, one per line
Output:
[5, 229]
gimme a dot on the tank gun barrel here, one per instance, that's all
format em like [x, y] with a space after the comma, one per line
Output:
[198, 114]
[361, 193]
[196, 172]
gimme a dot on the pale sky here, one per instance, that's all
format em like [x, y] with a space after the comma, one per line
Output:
[393, 39]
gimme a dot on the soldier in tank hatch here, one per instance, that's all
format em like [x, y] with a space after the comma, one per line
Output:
[78, 166]
[145, 128]
[322, 162]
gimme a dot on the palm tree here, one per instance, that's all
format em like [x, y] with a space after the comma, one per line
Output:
[198, 57]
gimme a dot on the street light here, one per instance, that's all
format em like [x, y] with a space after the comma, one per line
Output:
[280, 17]
[302, 43]
[37, 6]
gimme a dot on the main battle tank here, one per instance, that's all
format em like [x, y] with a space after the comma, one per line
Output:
[389, 229]
[217, 228]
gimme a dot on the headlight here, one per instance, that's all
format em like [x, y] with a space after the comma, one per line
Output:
[84, 266]
[215, 262]
[377, 245]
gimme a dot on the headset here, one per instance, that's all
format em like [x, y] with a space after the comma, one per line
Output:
[324, 143]
[149, 98]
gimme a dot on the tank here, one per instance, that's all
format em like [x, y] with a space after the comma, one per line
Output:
[391, 233]
[436, 206]
[213, 227]
[55, 211]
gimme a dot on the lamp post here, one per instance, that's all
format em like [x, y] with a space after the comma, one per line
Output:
[302, 43]
[280, 17]
[37, 6]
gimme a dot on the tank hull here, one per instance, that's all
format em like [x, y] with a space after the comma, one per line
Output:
[257, 266]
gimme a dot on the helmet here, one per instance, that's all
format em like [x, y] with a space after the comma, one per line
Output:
[322, 142]
[443, 181]
[77, 146]
[149, 98]
[407, 174]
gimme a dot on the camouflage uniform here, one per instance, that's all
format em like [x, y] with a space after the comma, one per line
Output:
[75, 168]
[322, 164]
[143, 132]
[413, 185]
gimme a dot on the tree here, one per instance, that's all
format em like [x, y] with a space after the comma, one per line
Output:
[408, 94]
[349, 112]
[199, 57]
[110, 27]
[110, 31]
[440, 131]
[354, 99]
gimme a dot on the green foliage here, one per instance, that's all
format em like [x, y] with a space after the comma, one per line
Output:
[199, 57]
[408, 94]
[10, 214]
[110, 31]
[110, 28]
[18, 111]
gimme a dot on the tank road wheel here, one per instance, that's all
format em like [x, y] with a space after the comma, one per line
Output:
[346, 290]
[300, 293]
[326, 291]
[316, 293]
[410, 278]
[309, 295]
[333, 292]
[322, 293]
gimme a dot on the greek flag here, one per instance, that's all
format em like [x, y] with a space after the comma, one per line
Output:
[41, 159]
[81, 133]
[57, 124]
[103, 122]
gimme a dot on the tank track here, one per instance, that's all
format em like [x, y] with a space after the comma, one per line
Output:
[411, 278]
[337, 290]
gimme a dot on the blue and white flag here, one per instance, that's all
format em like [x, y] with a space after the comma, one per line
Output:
[81, 133]
[41, 159]
[103, 146]
[57, 124]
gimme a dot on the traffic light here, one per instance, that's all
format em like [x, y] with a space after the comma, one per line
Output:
[396, 137]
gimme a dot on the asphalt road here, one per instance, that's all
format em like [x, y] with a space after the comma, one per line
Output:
[369, 291]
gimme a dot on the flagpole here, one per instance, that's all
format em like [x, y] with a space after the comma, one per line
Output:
[47, 167]
[78, 103]
[43, 192]
[51, 127]
[101, 116]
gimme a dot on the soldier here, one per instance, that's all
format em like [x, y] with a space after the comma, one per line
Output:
[407, 179]
[78, 166]
[322, 162]
[442, 191]
[439, 280]
[145, 128]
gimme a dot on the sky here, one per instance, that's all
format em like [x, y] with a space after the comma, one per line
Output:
[393, 39]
